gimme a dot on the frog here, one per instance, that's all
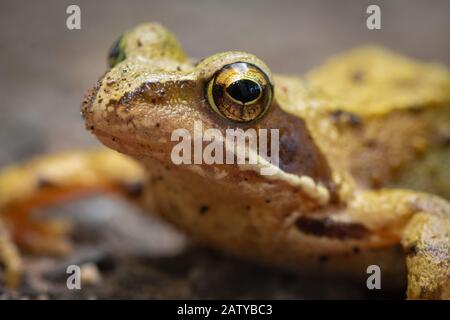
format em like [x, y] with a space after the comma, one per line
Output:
[363, 176]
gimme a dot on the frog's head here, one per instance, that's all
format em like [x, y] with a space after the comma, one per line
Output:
[152, 89]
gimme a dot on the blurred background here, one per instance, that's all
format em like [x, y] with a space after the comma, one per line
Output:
[46, 68]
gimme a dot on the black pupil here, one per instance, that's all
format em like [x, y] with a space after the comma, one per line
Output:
[244, 90]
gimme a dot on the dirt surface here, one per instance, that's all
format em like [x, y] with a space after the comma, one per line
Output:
[46, 68]
[139, 257]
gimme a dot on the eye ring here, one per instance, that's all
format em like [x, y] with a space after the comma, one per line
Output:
[240, 92]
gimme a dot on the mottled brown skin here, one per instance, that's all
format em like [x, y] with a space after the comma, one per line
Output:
[351, 132]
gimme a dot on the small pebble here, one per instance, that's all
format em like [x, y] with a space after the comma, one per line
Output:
[90, 274]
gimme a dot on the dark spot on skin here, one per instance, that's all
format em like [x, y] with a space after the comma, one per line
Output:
[112, 102]
[415, 109]
[445, 138]
[157, 178]
[267, 200]
[438, 251]
[411, 250]
[370, 143]
[43, 182]
[203, 209]
[288, 148]
[198, 62]
[247, 207]
[331, 229]
[128, 97]
[157, 125]
[356, 250]
[139, 43]
[375, 181]
[358, 76]
[323, 259]
[345, 117]
[133, 189]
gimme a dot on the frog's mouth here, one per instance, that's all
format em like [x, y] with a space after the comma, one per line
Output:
[241, 172]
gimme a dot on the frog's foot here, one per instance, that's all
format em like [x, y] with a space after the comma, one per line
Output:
[49, 237]
[49, 180]
[421, 223]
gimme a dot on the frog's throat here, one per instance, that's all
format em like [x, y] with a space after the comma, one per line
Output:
[314, 190]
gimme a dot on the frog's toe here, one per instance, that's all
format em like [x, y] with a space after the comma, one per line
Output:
[50, 237]
[9, 258]
[427, 244]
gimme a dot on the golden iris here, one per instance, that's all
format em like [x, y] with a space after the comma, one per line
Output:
[240, 92]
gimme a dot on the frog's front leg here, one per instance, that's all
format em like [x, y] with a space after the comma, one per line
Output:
[49, 180]
[427, 244]
[421, 223]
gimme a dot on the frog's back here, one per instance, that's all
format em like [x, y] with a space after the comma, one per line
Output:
[379, 116]
[375, 81]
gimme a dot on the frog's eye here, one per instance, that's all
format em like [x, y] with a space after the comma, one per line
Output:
[116, 52]
[240, 92]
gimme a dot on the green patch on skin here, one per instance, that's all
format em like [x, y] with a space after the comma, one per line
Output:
[117, 52]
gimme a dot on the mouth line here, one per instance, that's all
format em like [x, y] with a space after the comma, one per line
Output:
[131, 145]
